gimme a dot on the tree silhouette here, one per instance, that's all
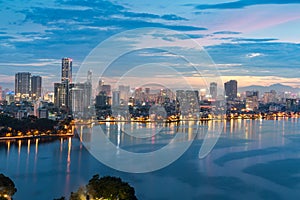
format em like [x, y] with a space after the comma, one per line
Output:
[7, 186]
[107, 187]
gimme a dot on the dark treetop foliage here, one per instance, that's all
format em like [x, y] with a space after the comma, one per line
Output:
[7, 186]
[107, 187]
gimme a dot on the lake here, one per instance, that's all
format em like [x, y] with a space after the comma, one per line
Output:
[253, 159]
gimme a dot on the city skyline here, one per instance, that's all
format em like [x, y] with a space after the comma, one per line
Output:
[255, 43]
[34, 86]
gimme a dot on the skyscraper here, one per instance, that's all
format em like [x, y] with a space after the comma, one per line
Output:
[252, 100]
[61, 95]
[61, 90]
[116, 98]
[213, 90]
[124, 93]
[0, 93]
[22, 85]
[231, 90]
[66, 70]
[106, 89]
[80, 96]
[90, 76]
[36, 87]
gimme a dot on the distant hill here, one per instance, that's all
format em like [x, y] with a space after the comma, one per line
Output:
[277, 87]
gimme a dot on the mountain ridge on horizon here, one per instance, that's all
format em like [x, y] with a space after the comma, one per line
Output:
[278, 87]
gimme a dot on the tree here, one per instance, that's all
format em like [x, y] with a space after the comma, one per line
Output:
[80, 194]
[110, 188]
[7, 186]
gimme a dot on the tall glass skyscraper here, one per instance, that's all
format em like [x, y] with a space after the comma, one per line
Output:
[66, 70]
[36, 87]
[231, 90]
[213, 90]
[22, 85]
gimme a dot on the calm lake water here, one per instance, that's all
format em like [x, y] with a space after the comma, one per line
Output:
[253, 159]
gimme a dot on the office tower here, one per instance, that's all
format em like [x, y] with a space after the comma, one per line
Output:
[22, 85]
[188, 102]
[77, 99]
[213, 90]
[252, 100]
[89, 76]
[90, 88]
[36, 87]
[231, 90]
[270, 97]
[139, 95]
[61, 90]
[116, 98]
[99, 87]
[101, 100]
[61, 95]
[80, 96]
[66, 70]
[106, 89]
[202, 94]
[124, 92]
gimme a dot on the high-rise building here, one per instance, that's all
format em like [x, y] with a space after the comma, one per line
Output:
[106, 89]
[61, 90]
[36, 87]
[124, 92]
[61, 95]
[99, 87]
[231, 90]
[0, 93]
[270, 97]
[77, 99]
[89, 76]
[252, 100]
[66, 70]
[90, 83]
[188, 102]
[80, 96]
[22, 85]
[116, 98]
[213, 90]
[202, 94]
[101, 99]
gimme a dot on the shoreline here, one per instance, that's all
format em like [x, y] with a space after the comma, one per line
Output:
[5, 138]
[35, 137]
[187, 120]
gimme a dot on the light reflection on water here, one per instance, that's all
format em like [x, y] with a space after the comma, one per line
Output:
[253, 159]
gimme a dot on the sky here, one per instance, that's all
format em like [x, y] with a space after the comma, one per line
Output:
[255, 42]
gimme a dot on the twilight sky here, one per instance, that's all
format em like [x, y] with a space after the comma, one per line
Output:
[255, 42]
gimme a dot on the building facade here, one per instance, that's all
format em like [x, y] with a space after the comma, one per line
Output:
[61, 95]
[36, 87]
[231, 90]
[22, 85]
[213, 90]
[66, 70]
